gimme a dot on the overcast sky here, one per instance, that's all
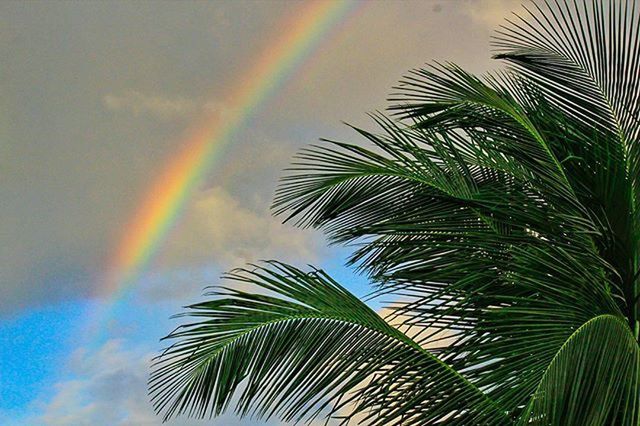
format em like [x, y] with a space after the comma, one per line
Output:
[96, 99]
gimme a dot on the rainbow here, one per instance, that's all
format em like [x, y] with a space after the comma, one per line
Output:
[306, 29]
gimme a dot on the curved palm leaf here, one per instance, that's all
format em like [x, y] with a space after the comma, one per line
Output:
[593, 380]
[312, 346]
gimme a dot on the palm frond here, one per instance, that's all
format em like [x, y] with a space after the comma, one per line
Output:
[312, 348]
[475, 249]
[583, 56]
[593, 379]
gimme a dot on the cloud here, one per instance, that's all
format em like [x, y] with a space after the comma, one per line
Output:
[163, 106]
[218, 229]
[139, 103]
[491, 13]
[404, 323]
[365, 59]
[104, 387]
[72, 173]
[108, 387]
[53, 256]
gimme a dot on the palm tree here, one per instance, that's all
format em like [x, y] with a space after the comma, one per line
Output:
[500, 213]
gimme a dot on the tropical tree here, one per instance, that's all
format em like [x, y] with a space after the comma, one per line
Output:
[500, 214]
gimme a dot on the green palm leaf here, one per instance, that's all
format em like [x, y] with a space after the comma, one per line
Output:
[300, 352]
[584, 57]
[593, 379]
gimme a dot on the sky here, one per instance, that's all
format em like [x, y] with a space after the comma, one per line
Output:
[99, 99]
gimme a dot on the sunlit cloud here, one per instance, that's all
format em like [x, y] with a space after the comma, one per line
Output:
[218, 228]
[107, 386]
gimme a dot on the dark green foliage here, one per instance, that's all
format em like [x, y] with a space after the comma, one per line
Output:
[501, 211]
[302, 351]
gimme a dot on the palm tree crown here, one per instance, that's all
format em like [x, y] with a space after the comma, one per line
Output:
[499, 212]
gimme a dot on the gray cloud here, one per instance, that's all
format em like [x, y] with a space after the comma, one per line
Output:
[98, 97]
[372, 53]
[492, 13]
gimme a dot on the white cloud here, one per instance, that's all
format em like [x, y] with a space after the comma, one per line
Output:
[219, 232]
[218, 228]
[403, 323]
[109, 387]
